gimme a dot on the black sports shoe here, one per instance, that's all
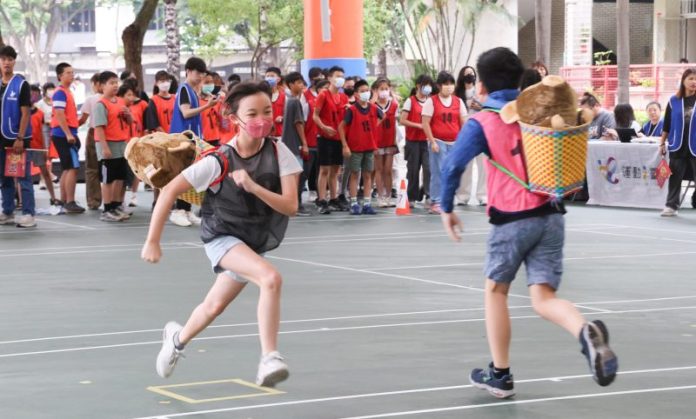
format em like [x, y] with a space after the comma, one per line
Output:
[484, 379]
[323, 207]
[594, 338]
[343, 204]
[334, 205]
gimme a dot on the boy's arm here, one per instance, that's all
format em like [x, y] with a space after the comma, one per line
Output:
[470, 143]
[342, 135]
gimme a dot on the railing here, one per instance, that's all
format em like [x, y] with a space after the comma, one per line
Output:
[647, 82]
[688, 8]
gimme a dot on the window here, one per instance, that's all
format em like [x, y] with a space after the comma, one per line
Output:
[157, 22]
[83, 19]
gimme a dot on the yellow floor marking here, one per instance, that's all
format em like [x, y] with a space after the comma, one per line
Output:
[166, 391]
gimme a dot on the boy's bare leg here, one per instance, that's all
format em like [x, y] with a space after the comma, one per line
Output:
[556, 310]
[498, 322]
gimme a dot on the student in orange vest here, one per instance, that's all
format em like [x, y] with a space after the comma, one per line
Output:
[38, 142]
[136, 107]
[443, 116]
[386, 141]
[112, 128]
[275, 79]
[64, 125]
[210, 118]
[158, 115]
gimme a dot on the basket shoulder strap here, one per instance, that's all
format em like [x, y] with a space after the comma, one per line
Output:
[222, 160]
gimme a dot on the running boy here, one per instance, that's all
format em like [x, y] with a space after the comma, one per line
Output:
[358, 131]
[526, 228]
[242, 219]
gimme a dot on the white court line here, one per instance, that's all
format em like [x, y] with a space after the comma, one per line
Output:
[528, 401]
[71, 252]
[640, 236]
[400, 233]
[453, 265]
[96, 246]
[660, 230]
[326, 329]
[681, 297]
[43, 220]
[402, 392]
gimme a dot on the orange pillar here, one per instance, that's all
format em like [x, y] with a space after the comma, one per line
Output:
[333, 35]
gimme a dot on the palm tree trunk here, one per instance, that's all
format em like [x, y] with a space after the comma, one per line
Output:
[542, 25]
[623, 49]
[172, 40]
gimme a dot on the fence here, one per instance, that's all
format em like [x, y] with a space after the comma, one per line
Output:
[647, 82]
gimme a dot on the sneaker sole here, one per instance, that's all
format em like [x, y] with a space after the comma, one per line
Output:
[495, 392]
[274, 378]
[603, 362]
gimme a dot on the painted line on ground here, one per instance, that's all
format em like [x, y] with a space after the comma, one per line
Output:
[409, 391]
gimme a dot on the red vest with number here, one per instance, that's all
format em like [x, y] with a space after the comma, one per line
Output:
[70, 110]
[445, 121]
[278, 110]
[505, 144]
[211, 122]
[386, 131]
[165, 109]
[137, 111]
[361, 132]
[414, 115]
[117, 128]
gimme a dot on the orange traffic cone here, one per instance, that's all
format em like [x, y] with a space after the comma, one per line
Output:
[403, 207]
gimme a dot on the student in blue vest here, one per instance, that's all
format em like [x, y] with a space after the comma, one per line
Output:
[251, 190]
[187, 116]
[15, 133]
[680, 129]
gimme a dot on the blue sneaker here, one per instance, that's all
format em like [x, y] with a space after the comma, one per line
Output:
[501, 388]
[367, 209]
[355, 209]
[594, 338]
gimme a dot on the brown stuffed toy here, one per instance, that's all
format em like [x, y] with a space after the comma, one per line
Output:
[550, 103]
[158, 158]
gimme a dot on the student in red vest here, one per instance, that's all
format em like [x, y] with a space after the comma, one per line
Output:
[137, 107]
[112, 129]
[38, 142]
[416, 147]
[386, 141]
[358, 132]
[443, 116]
[311, 168]
[64, 125]
[275, 79]
[527, 228]
[328, 112]
[210, 118]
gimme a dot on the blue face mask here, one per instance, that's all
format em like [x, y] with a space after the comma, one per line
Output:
[427, 90]
[207, 89]
[271, 81]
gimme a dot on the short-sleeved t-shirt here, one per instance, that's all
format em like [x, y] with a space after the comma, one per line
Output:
[24, 100]
[599, 125]
[88, 107]
[292, 115]
[429, 108]
[204, 172]
[59, 102]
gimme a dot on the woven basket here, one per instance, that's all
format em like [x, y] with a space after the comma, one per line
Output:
[191, 196]
[555, 159]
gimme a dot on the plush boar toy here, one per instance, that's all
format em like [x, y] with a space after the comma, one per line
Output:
[158, 158]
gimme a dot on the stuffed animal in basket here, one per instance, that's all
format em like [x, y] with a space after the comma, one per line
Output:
[551, 103]
[158, 158]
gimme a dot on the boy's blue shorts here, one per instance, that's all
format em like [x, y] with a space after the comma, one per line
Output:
[536, 241]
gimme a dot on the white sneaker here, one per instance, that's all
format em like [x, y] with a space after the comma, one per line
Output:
[668, 212]
[382, 202]
[25, 221]
[193, 218]
[133, 201]
[110, 217]
[6, 219]
[272, 370]
[168, 355]
[179, 218]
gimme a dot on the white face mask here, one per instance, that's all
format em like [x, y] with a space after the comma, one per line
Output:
[364, 96]
[164, 86]
[384, 94]
[340, 81]
[470, 92]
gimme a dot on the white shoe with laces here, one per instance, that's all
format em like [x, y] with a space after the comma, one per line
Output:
[25, 221]
[272, 370]
[168, 355]
[668, 212]
[193, 218]
[178, 217]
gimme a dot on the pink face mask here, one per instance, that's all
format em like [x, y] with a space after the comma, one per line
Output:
[257, 127]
